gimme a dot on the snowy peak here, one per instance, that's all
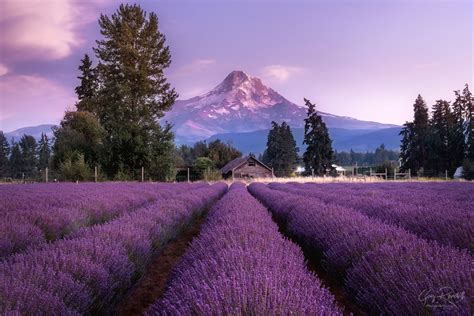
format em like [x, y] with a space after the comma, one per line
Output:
[239, 89]
[241, 103]
[233, 81]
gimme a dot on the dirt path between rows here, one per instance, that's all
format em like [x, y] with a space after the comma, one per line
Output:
[153, 283]
[314, 264]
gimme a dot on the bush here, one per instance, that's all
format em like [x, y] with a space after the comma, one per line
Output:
[212, 175]
[75, 169]
[204, 168]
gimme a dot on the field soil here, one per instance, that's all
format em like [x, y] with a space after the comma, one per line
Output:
[315, 264]
[153, 283]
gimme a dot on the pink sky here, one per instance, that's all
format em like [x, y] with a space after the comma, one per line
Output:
[365, 59]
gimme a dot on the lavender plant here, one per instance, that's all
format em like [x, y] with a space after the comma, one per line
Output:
[241, 265]
[449, 221]
[388, 269]
[90, 270]
[31, 215]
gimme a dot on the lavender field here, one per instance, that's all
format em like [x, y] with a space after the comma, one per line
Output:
[265, 249]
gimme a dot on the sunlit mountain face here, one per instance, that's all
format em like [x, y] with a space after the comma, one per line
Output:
[242, 103]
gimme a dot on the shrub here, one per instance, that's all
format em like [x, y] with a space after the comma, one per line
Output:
[75, 169]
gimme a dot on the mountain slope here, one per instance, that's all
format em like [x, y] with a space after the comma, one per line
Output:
[242, 103]
[358, 140]
[34, 131]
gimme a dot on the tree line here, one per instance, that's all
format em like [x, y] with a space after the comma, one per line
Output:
[379, 157]
[26, 158]
[442, 141]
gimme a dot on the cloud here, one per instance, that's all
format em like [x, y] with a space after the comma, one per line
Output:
[36, 29]
[281, 73]
[195, 66]
[31, 100]
[3, 70]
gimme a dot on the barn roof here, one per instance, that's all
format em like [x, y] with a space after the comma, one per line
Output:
[234, 164]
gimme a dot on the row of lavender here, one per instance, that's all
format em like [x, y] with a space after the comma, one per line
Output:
[241, 265]
[448, 221]
[31, 215]
[90, 270]
[415, 193]
[387, 269]
[444, 192]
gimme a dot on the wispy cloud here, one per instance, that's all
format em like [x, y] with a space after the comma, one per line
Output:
[3, 70]
[48, 30]
[281, 73]
[195, 66]
[37, 29]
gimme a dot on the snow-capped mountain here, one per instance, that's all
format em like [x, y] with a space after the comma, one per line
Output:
[242, 103]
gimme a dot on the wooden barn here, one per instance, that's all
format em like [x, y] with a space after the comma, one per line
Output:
[246, 168]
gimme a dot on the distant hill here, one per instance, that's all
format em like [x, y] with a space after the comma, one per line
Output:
[359, 140]
[242, 103]
[34, 131]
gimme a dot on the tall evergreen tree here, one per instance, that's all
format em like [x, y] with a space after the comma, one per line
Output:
[281, 153]
[468, 105]
[421, 132]
[16, 161]
[29, 158]
[272, 145]
[441, 125]
[44, 152]
[134, 92]
[458, 132]
[4, 154]
[319, 153]
[414, 151]
[406, 147]
[87, 90]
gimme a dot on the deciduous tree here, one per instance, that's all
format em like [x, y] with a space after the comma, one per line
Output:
[79, 133]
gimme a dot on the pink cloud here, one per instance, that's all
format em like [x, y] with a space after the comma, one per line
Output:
[35, 29]
[3, 70]
[281, 73]
[31, 100]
